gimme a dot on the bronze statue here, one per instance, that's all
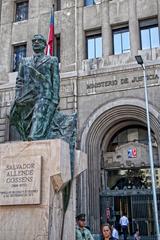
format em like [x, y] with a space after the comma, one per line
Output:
[34, 112]
[37, 92]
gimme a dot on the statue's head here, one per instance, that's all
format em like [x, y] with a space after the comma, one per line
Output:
[38, 43]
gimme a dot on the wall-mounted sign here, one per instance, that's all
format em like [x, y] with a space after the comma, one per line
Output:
[122, 81]
[132, 152]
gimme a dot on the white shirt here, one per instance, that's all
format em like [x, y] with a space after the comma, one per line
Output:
[123, 221]
[115, 233]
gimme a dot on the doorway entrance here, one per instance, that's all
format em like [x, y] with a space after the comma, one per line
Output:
[135, 201]
[114, 138]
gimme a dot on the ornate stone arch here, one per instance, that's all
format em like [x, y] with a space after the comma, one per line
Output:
[137, 106]
[101, 121]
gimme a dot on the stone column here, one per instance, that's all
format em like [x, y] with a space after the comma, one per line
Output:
[7, 14]
[68, 36]
[133, 28]
[88, 190]
[81, 49]
[93, 191]
[106, 30]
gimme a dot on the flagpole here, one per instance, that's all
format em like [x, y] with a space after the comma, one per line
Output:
[75, 83]
[52, 13]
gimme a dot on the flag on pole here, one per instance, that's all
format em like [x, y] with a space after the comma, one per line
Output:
[50, 42]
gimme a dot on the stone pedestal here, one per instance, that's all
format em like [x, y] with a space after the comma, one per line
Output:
[32, 178]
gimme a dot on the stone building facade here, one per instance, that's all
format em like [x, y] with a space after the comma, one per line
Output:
[105, 89]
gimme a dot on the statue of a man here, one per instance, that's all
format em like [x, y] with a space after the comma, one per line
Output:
[34, 112]
[37, 93]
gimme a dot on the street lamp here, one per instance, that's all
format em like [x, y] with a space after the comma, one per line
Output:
[140, 61]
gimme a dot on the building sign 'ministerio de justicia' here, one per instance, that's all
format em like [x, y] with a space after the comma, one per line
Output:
[122, 81]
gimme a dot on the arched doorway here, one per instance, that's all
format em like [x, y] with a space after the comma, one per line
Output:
[126, 179]
[98, 131]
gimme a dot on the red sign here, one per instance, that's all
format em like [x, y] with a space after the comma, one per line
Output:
[134, 152]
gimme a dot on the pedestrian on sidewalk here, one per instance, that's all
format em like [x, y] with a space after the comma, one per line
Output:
[137, 235]
[124, 225]
[82, 233]
[107, 232]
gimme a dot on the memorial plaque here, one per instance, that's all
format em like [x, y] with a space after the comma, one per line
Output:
[20, 180]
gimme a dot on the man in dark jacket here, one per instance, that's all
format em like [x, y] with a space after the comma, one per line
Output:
[37, 93]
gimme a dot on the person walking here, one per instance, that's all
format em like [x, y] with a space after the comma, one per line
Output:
[82, 233]
[124, 225]
[115, 234]
[137, 235]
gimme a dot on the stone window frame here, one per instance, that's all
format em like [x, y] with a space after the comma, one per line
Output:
[93, 34]
[145, 24]
[14, 46]
[18, 2]
[120, 29]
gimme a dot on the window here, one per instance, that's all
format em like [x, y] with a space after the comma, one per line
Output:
[149, 33]
[18, 54]
[57, 5]
[94, 46]
[21, 11]
[121, 41]
[89, 2]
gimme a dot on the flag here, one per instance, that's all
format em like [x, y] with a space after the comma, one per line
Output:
[49, 48]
